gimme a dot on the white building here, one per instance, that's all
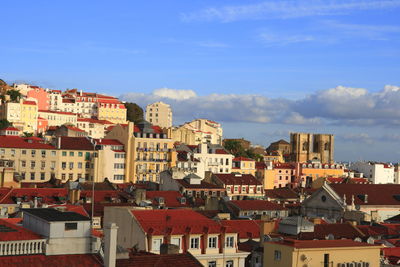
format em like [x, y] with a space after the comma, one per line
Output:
[377, 173]
[206, 130]
[159, 114]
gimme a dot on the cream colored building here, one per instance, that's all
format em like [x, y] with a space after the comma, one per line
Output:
[202, 131]
[159, 114]
[23, 114]
[341, 253]
[57, 118]
[149, 151]
[111, 110]
[95, 128]
[187, 229]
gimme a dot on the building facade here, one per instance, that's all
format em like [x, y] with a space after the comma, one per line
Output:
[312, 147]
[159, 114]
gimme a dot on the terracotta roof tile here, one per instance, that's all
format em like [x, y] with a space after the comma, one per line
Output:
[256, 205]
[154, 260]
[233, 179]
[12, 232]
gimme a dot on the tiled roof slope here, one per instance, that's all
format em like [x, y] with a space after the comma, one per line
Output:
[19, 142]
[232, 179]
[154, 260]
[245, 228]
[180, 221]
[13, 232]
[74, 260]
[378, 194]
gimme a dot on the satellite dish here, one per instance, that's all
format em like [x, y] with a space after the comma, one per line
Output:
[303, 257]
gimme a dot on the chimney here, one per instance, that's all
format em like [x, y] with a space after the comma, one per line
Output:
[110, 245]
[169, 249]
[365, 198]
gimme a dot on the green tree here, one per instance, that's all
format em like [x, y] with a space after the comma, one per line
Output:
[134, 112]
[4, 123]
[15, 95]
[234, 147]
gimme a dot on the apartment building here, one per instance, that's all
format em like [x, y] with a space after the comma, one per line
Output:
[244, 165]
[23, 114]
[239, 186]
[159, 114]
[377, 173]
[41, 96]
[197, 132]
[57, 118]
[94, 127]
[149, 150]
[207, 240]
[112, 110]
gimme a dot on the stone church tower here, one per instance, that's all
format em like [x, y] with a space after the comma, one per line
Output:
[306, 147]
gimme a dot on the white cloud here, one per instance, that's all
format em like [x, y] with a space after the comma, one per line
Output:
[337, 106]
[286, 9]
[275, 39]
[356, 137]
[174, 93]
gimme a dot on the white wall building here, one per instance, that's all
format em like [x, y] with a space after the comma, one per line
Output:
[377, 173]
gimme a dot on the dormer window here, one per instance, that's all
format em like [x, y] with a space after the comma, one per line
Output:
[71, 226]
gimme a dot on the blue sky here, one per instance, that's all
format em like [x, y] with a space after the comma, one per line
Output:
[273, 64]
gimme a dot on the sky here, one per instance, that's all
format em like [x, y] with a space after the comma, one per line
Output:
[262, 69]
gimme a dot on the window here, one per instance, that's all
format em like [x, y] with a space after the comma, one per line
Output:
[120, 177]
[43, 153]
[33, 164]
[70, 226]
[79, 165]
[229, 263]
[42, 176]
[176, 241]
[63, 176]
[43, 164]
[71, 153]
[194, 242]
[12, 152]
[23, 152]
[212, 264]
[71, 176]
[63, 165]
[156, 244]
[212, 242]
[80, 154]
[71, 165]
[33, 153]
[277, 255]
[23, 163]
[64, 153]
[32, 176]
[230, 241]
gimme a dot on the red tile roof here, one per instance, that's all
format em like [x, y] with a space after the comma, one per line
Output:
[202, 185]
[108, 142]
[48, 195]
[90, 120]
[339, 243]
[19, 142]
[221, 151]
[281, 193]
[283, 166]
[57, 112]
[164, 260]
[245, 228]
[101, 195]
[75, 143]
[180, 221]
[73, 128]
[10, 128]
[260, 165]
[236, 179]
[16, 232]
[171, 198]
[29, 102]
[256, 205]
[72, 260]
[72, 208]
[338, 230]
[378, 194]
[242, 159]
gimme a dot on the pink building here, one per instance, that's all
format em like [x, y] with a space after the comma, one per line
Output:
[42, 124]
[41, 96]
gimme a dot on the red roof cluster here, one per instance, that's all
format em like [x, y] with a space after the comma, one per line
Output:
[323, 243]
[171, 198]
[245, 228]
[74, 260]
[19, 142]
[15, 232]
[237, 179]
[45, 195]
[75, 143]
[180, 221]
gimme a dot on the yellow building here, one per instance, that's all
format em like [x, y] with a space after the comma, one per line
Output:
[29, 115]
[184, 135]
[111, 110]
[313, 171]
[326, 253]
[149, 151]
[244, 165]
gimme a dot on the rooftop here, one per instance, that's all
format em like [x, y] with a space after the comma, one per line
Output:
[237, 179]
[256, 205]
[339, 243]
[11, 232]
[53, 215]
